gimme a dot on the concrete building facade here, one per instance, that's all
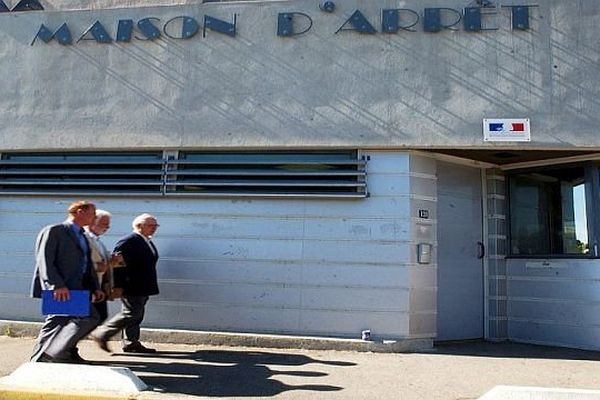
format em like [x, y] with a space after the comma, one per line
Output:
[423, 169]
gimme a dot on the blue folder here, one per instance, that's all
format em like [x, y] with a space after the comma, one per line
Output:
[77, 306]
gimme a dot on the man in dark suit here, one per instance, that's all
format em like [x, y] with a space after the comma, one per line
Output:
[139, 281]
[63, 263]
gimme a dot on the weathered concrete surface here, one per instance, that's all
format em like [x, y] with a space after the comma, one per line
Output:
[319, 89]
[88, 380]
[533, 393]
[464, 371]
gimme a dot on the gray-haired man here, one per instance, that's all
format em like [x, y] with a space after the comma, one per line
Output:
[138, 280]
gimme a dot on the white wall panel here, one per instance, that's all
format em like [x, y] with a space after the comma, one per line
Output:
[423, 295]
[576, 336]
[16, 263]
[357, 275]
[389, 184]
[380, 323]
[556, 311]
[330, 267]
[556, 304]
[200, 208]
[270, 296]
[230, 271]
[387, 162]
[358, 229]
[15, 283]
[236, 318]
[370, 252]
[363, 299]
[228, 248]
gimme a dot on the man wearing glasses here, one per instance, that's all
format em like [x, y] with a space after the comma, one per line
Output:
[139, 281]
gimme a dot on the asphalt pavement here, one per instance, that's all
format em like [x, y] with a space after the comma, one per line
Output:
[452, 371]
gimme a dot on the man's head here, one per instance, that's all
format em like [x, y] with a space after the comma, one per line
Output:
[145, 224]
[82, 212]
[101, 222]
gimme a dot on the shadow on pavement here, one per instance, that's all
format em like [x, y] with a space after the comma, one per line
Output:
[479, 348]
[225, 373]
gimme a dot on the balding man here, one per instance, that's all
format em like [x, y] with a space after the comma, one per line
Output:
[138, 280]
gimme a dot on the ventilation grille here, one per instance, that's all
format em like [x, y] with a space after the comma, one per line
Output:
[269, 174]
[74, 174]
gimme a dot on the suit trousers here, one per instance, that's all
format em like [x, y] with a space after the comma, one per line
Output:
[59, 335]
[102, 308]
[128, 320]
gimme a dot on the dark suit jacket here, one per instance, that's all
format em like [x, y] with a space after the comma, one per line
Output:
[58, 259]
[139, 277]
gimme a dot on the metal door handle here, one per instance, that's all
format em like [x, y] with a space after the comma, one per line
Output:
[480, 250]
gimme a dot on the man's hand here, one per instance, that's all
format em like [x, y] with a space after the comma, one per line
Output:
[101, 267]
[98, 296]
[116, 260]
[61, 294]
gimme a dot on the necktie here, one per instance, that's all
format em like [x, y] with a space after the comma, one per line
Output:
[84, 247]
[152, 247]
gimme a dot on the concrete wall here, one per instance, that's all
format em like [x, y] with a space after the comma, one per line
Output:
[554, 302]
[424, 285]
[324, 267]
[320, 89]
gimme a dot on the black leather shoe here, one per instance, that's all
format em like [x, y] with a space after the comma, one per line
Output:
[138, 348]
[76, 358]
[102, 343]
[45, 358]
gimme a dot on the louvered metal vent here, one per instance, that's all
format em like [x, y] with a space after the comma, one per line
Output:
[313, 174]
[82, 173]
[223, 174]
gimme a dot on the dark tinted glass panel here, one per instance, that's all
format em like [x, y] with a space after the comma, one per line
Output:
[547, 212]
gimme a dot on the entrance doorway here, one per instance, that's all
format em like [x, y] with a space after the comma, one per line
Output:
[460, 253]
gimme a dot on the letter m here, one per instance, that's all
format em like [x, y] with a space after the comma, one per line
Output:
[62, 35]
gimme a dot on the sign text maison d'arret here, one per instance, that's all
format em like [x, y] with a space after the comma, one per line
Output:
[289, 24]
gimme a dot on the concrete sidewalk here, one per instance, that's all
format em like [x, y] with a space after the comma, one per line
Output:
[457, 371]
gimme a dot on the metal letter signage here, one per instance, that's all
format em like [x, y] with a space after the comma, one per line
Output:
[218, 25]
[98, 33]
[148, 29]
[287, 27]
[125, 30]
[187, 28]
[63, 35]
[390, 20]
[289, 24]
[23, 5]
[433, 19]
[359, 23]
